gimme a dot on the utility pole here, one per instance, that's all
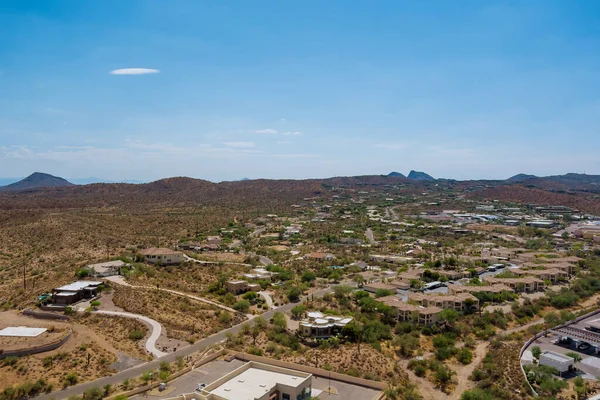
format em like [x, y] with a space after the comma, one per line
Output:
[24, 276]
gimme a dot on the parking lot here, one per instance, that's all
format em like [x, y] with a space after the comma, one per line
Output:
[214, 370]
[590, 363]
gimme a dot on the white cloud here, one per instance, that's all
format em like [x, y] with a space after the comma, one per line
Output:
[292, 133]
[269, 131]
[239, 144]
[134, 71]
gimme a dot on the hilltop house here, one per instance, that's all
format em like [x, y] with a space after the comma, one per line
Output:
[74, 292]
[320, 326]
[108, 268]
[162, 256]
[238, 287]
[320, 256]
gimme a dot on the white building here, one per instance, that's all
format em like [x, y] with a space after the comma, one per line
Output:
[322, 326]
[257, 381]
[559, 361]
[108, 268]
[162, 256]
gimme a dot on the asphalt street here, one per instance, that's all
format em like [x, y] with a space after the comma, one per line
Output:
[154, 364]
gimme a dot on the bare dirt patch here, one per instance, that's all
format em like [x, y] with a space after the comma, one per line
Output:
[56, 331]
[182, 317]
[124, 334]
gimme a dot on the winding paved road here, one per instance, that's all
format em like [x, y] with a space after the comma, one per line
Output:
[154, 335]
[136, 371]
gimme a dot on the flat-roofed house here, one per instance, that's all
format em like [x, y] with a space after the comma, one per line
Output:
[459, 302]
[320, 326]
[412, 313]
[74, 292]
[237, 287]
[375, 286]
[320, 256]
[528, 284]
[162, 256]
[554, 275]
[492, 289]
[108, 268]
[257, 381]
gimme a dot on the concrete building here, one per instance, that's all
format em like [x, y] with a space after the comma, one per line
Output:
[491, 289]
[459, 302]
[525, 284]
[257, 381]
[554, 275]
[375, 286]
[74, 292]
[162, 256]
[108, 268]
[320, 326]
[320, 256]
[412, 313]
[559, 361]
[237, 287]
[390, 258]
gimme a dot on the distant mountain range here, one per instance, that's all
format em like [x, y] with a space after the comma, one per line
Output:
[570, 181]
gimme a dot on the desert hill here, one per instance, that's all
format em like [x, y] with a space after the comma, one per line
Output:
[35, 181]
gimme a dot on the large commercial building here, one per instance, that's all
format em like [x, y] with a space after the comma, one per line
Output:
[257, 381]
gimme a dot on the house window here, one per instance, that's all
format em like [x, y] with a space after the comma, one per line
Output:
[285, 396]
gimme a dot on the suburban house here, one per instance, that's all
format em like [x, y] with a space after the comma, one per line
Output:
[213, 239]
[452, 275]
[390, 258]
[74, 292]
[375, 286]
[320, 256]
[320, 326]
[108, 268]
[162, 256]
[237, 287]
[528, 284]
[553, 275]
[413, 274]
[492, 289]
[566, 267]
[258, 381]
[459, 302]
[412, 313]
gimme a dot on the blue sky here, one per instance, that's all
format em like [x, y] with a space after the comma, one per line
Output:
[299, 89]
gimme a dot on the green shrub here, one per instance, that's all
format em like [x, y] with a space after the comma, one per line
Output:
[136, 335]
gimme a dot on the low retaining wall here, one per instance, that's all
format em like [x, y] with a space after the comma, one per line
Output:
[312, 370]
[44, 315]
[36, 350]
